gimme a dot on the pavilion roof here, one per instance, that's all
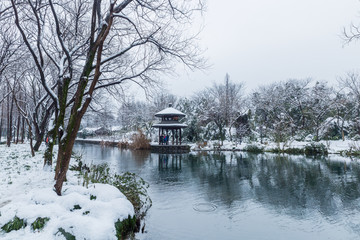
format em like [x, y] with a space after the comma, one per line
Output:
[169, 125]
[171, 112]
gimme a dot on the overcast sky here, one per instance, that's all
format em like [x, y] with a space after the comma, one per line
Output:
[263, 41]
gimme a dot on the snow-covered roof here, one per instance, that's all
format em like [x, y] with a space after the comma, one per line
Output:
[170, 125]
[170, 111]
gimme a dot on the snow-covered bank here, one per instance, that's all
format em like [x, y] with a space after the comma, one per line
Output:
[26, 191]
[333, 147]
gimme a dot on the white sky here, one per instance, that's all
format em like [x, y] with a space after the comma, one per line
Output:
[263, 41]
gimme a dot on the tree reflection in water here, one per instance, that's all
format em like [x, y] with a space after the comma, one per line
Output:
[294, 196]
[290, 184]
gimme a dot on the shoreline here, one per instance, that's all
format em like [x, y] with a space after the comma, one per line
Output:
[347, 148]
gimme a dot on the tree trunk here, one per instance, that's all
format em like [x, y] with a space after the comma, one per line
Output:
[66, 142]
[31, 141]
[23, 130]
[1, 120]
[48, 156]
[18, 129]
[41, 130]
[66, 145]
[9, 125]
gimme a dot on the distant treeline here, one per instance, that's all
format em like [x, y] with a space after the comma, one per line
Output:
[297, 109]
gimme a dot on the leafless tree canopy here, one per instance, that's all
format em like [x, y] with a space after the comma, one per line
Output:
[80, 46]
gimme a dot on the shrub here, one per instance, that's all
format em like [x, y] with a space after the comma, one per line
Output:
[288, 150]
[131, 185]
[201, 144]
[294, 151]
[67, 235]
[253, 148]
[39, 223]
[135, 189]
[105, 143]
[125, 227]
[76, 207]
[14, 224]
[123, 145]
[140, 142]
[316, 149]
[354, 150]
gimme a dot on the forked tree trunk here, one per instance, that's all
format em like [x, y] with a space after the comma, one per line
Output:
[41, 129]
[66, 142]
[66, 145]
[48, 156]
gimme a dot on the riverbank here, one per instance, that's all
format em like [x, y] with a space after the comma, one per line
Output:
[30, 209]
[344, 148]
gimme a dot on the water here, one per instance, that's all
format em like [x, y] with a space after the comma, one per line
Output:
[242, 196]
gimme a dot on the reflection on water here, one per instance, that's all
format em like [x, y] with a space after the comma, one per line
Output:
[264, 196]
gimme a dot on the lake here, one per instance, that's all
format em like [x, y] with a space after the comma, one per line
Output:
[235, 195]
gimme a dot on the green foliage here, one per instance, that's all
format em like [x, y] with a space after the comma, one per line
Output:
[67, 235]
[298, 151]
[125, 227]
[135, 189]
[253, 148]
[131, 185]
[14, 224]
[76, 207]
[100, 173]
[39, 223]
[86, 212]
[316, 149]
[92, 197]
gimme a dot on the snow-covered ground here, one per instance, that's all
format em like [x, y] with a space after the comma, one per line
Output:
[26, 191]
[334, 147]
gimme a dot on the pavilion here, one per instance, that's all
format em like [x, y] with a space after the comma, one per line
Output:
[170, 130]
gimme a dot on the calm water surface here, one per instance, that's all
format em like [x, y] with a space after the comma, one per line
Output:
[242, 196]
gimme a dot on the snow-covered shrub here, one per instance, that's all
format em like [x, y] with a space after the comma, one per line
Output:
[14, 225]
[39, 223]
[253, 148]
[288, 150]
[67, 235]
[125, 227]
[316, 149]
[131, 185]
[331, 131]
[354, 150]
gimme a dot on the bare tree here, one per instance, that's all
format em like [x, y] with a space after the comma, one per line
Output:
[24, 111]
[350, 85]
[221, 105]
[96, 45]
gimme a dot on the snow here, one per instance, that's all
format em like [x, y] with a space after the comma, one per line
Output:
[180, 125]
[26, 191]
[333, 146]
[170, 111]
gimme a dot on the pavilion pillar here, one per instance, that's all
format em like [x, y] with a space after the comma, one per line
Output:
[172, 133]
[159, 137]
[180, 136]
[167, 137]
[176, 136]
